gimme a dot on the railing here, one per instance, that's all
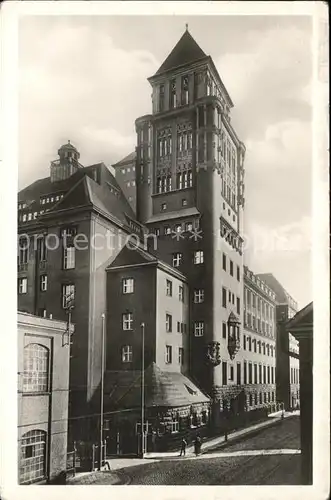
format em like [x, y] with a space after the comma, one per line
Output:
[71, 463]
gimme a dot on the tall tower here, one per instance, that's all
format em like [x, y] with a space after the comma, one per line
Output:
[190, 192]
[67, 164]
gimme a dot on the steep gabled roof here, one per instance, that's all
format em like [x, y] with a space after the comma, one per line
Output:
[162, 389]
[185, 51]
[130, 158]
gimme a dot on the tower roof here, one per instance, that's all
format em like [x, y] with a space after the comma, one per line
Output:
[68, 146]
[185, 51]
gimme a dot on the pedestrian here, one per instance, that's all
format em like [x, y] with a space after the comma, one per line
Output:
[197, 445]
[183, 447]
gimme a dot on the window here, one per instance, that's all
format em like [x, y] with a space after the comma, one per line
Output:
[245, 372]
[127, 321]
[173, 93]
[199, 328]
[188, 226]
[184, 203]
[168, 323]
[23, 252]
[167, 230]
[249, 343]
[174, 426]
[42, 249]
[199, 296]
[43, 283]
[178, 228]
[224, 297]
[128, 285]
[260, 374]
[238, 374]
[185, 89]
[179, 328]
[68, 296]
[264, 375]
[35, 374]
[168, 359]
[127, 354]
[259, 346]
[181, 293]
[22, 285]
[238, 305]
[161, 98]
[263, 347]
[33, 457]
[255, 373]
[231, 373]
[164, 206]
[169, 288]
[244, 342]
[224, 330]
[225, 373]
[268, 374]
[231, 268]
[198, 257]
[180, 355]
[69, 258]
[250, 373]
[177, 259]
[224, 261]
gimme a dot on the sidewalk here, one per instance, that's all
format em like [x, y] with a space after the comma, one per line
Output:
[118, 463]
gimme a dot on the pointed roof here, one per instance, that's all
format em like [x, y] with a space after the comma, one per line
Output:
[302, 321]
[185, 51]
[130, 158]
[162, 389]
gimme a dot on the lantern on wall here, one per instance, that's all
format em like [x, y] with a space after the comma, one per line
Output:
[233, 335]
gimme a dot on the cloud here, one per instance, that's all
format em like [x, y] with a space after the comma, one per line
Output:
[76, 83]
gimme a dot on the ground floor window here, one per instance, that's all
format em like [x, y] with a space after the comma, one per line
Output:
[174, 426]
[33, 456]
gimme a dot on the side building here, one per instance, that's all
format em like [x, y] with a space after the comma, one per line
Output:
[259, 341]
[43, 390]
[288, 366]
[71, 225]
[125, 175]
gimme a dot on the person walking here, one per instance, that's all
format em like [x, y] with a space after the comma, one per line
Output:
[197, 445]
[183, 447]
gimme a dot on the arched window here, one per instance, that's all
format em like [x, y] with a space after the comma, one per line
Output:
[35, 376]
[33, 456]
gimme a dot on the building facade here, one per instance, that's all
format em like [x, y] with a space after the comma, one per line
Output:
[287, 347]
[190, 194]
[71, 226]
[43, 391]
[125, 174]
[259, 342]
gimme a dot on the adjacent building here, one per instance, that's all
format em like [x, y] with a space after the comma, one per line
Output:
[288, 367]
[125, 174]
[259, 342]
[43, 390]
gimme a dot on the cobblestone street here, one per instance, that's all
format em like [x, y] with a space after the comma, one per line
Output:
[270, 456]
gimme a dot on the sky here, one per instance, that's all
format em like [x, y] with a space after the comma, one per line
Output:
[84, 78]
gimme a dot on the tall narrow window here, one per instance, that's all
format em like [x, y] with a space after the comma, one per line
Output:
[238, 373]
[168, 323]
[199, 327]
[181, 293]
[22, 285]
[177, 259]
[35, 374]
[69, 257]
[198, 257]
[161, 98]
[168, 354]
[68, 296]
[245, 372]
[185, 89]
[23, 253]
[173, 94]
[43, 283]
[224, 261]
[169, 288]
[199, 296]
[180, 355]
[225, 373]
[223, 297]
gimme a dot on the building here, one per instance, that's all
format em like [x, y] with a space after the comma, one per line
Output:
[182, 275]
[71, 226]
[189, 177]
[288, 367]
[154, 294]
[43, 390]
[125, 174]
[301, 327]
[259, 340]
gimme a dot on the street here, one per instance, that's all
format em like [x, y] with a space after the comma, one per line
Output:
[269, 457]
